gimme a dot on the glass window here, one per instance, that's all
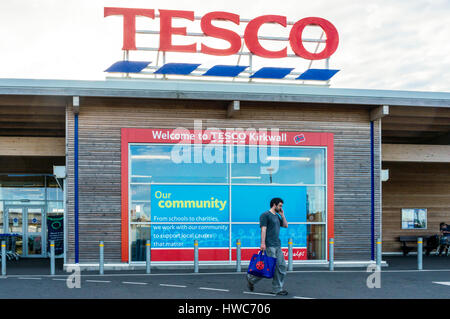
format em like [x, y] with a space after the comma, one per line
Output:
[316, 242]
[54, 192]
[34, 222]
[177, 164]
[15, 216]
[55, 207]
[140, 192]
[173, 215]
[282, 165]
[2, 230]
[315, 204]
[140, 212]
[139, 235]
[13, 187]
[24, 203]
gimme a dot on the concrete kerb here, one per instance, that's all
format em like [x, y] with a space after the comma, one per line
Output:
[231, 266]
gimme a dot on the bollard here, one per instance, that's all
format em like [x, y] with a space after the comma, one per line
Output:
[379, 254]
[419, 253]
[52, 257]
[101, 264]
[196, 255]
[331, 254]
[290, 255]
[148, 256]
[238, 255]
[3, 258]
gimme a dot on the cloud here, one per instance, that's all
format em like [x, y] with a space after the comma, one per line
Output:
[384, 44]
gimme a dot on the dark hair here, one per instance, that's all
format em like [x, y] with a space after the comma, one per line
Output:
[275, 201]
[440, 225]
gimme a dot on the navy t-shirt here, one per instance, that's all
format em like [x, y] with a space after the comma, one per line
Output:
[273, 223]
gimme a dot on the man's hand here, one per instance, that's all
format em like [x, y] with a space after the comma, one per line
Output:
[284, 224]
[263, 246]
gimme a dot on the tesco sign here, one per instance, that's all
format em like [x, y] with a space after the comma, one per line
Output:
[206, 23]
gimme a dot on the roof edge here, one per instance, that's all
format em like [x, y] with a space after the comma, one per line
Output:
[214, 90]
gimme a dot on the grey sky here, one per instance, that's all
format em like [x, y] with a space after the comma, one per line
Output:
[384, 44]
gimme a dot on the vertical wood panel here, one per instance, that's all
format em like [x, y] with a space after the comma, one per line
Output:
[414, 185]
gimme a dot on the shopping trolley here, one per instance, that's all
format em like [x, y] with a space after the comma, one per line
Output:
[10, 241]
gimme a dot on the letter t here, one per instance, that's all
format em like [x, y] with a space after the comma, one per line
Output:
[129, 23]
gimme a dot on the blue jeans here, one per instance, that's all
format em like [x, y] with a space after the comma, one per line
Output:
[279, 272]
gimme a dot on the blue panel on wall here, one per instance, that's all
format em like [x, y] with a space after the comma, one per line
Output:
[271, 73]
[177, 68]
[128, 66]
[225, 70]
[249, 202]
[318, 74]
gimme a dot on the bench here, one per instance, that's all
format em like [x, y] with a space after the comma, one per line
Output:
[413, 239]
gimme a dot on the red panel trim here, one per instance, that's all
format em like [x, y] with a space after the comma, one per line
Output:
[133, 135]
[124, 182]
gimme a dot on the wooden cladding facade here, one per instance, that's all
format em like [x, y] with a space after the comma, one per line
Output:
[414, 185]
[100, 121]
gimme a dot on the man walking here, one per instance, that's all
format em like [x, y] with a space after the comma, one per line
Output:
[270, 223]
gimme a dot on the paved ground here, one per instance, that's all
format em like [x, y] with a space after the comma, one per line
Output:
[30, 279]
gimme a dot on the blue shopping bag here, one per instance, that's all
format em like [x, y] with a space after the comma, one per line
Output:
[262, 265]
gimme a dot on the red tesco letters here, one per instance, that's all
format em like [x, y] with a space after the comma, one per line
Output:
[250, 34]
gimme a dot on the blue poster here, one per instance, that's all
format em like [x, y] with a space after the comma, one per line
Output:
[250, 235]
[183, 235]
[189, 203]
[249, 202]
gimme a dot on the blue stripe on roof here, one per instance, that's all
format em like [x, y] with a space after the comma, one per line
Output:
[225, 70]
[271, 73]
[177, 68]
[317, 74]
[128, 66]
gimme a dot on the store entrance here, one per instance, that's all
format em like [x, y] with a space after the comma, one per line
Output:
[28, 225]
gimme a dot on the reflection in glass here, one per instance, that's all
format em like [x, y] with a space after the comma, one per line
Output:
[140, 212]
[176, 164]
[316, 242]
[315, 204]
[54, 192]
[258, 165]
[17, 244]
[34, 220]
[140, 192]
[15, 220]
[22, 187]
[1, 218]
[55, 207]
[139, 235]
[34, 244]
